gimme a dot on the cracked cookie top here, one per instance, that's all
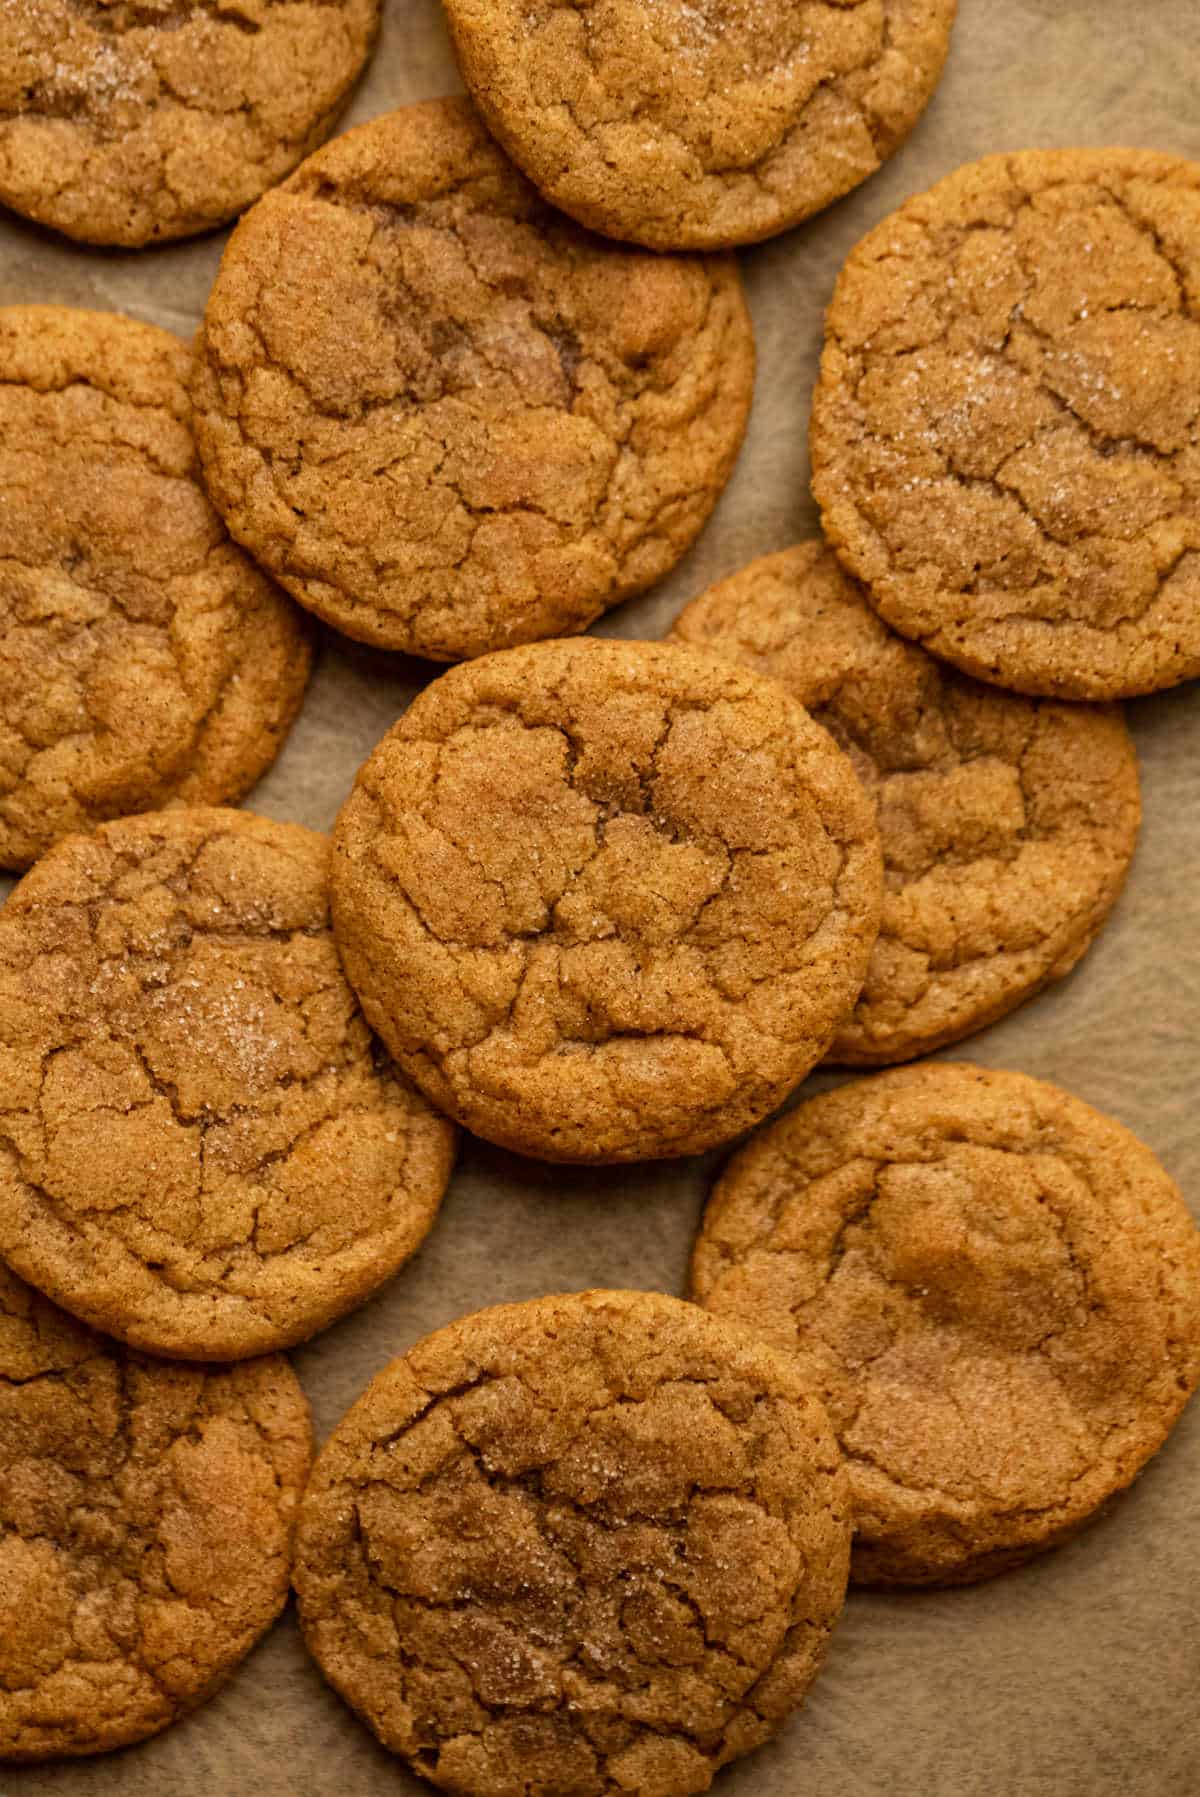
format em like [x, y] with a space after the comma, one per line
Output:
[203, 1151]
[147, 1516]
[143, 656]
[694, 124]
[530, 425]
[1007, 823]
[133, 121]
[1006, 429]
[606, 901]
[590, 1545]
[995, 1290]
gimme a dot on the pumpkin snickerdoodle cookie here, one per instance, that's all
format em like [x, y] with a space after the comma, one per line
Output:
[1007, 823]
[533, 425]
[147, 1515]
[590, 1545]
[693, 124]
[122, 123]
[202, 1150]
[606, 901]
[143, 657]
[1006, 429]
[995, 1290]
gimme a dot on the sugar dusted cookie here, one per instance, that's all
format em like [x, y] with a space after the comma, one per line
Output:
[129, 124]
[1007, 823]
[588, 1545]
[1004, 434]
[606, 901]
[995, 1290]
[148, 1512]
[443, 416]
[144, 659]
[203, 1151]
[695, 124]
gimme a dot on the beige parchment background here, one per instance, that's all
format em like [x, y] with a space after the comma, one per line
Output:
[1078, 1676]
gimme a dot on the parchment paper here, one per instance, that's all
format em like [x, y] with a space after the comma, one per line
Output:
[1078, 1676]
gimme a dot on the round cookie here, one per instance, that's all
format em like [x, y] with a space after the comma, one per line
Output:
[696, 124]
[606, 901]
[1007, 823]
[147, 1517]
[1006, 428]
[143, 656]
[995, 1289]
[590, 1545]
[533, 424]
[202, 1149]
[128, 124]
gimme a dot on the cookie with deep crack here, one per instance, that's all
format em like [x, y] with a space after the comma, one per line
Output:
[1007, 823]
[147, 1515]
[130, 124]
[590, 1545]
[203, 1151]
[144, 659]
[698, 124]
[606, 901]
[1006, 428]
[994, 1288]
[533, 426]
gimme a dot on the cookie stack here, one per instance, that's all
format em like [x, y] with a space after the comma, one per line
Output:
[469, 376]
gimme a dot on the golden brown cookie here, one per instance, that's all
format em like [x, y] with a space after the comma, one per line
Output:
[147, 1516]
[143, 657]
[532, 426]
[995, 1289]
[1006, 429]
[587, 1545]
[126, 123]
[695, 124]
[202, 1150]
[1007, 823]
[606, 901]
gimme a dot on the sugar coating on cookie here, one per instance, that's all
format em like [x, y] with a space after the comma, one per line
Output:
[446, 418]
[590, 1545]
[143, 657]
[130, 124]
[995, 1290]
[1006, 428]
[148, 1513]
[1007, 824]
[694, 124]
[606, 901]
[203, 1151]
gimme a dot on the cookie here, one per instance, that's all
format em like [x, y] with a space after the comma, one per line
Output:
[128, 124]
[533, 424]
[1005, 444]
[202, 1150]
[606, 901]
[995, 1290]
[148, 1513]
[1007, 823]
[143, 657]
[694, 124]
[591, 1544]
